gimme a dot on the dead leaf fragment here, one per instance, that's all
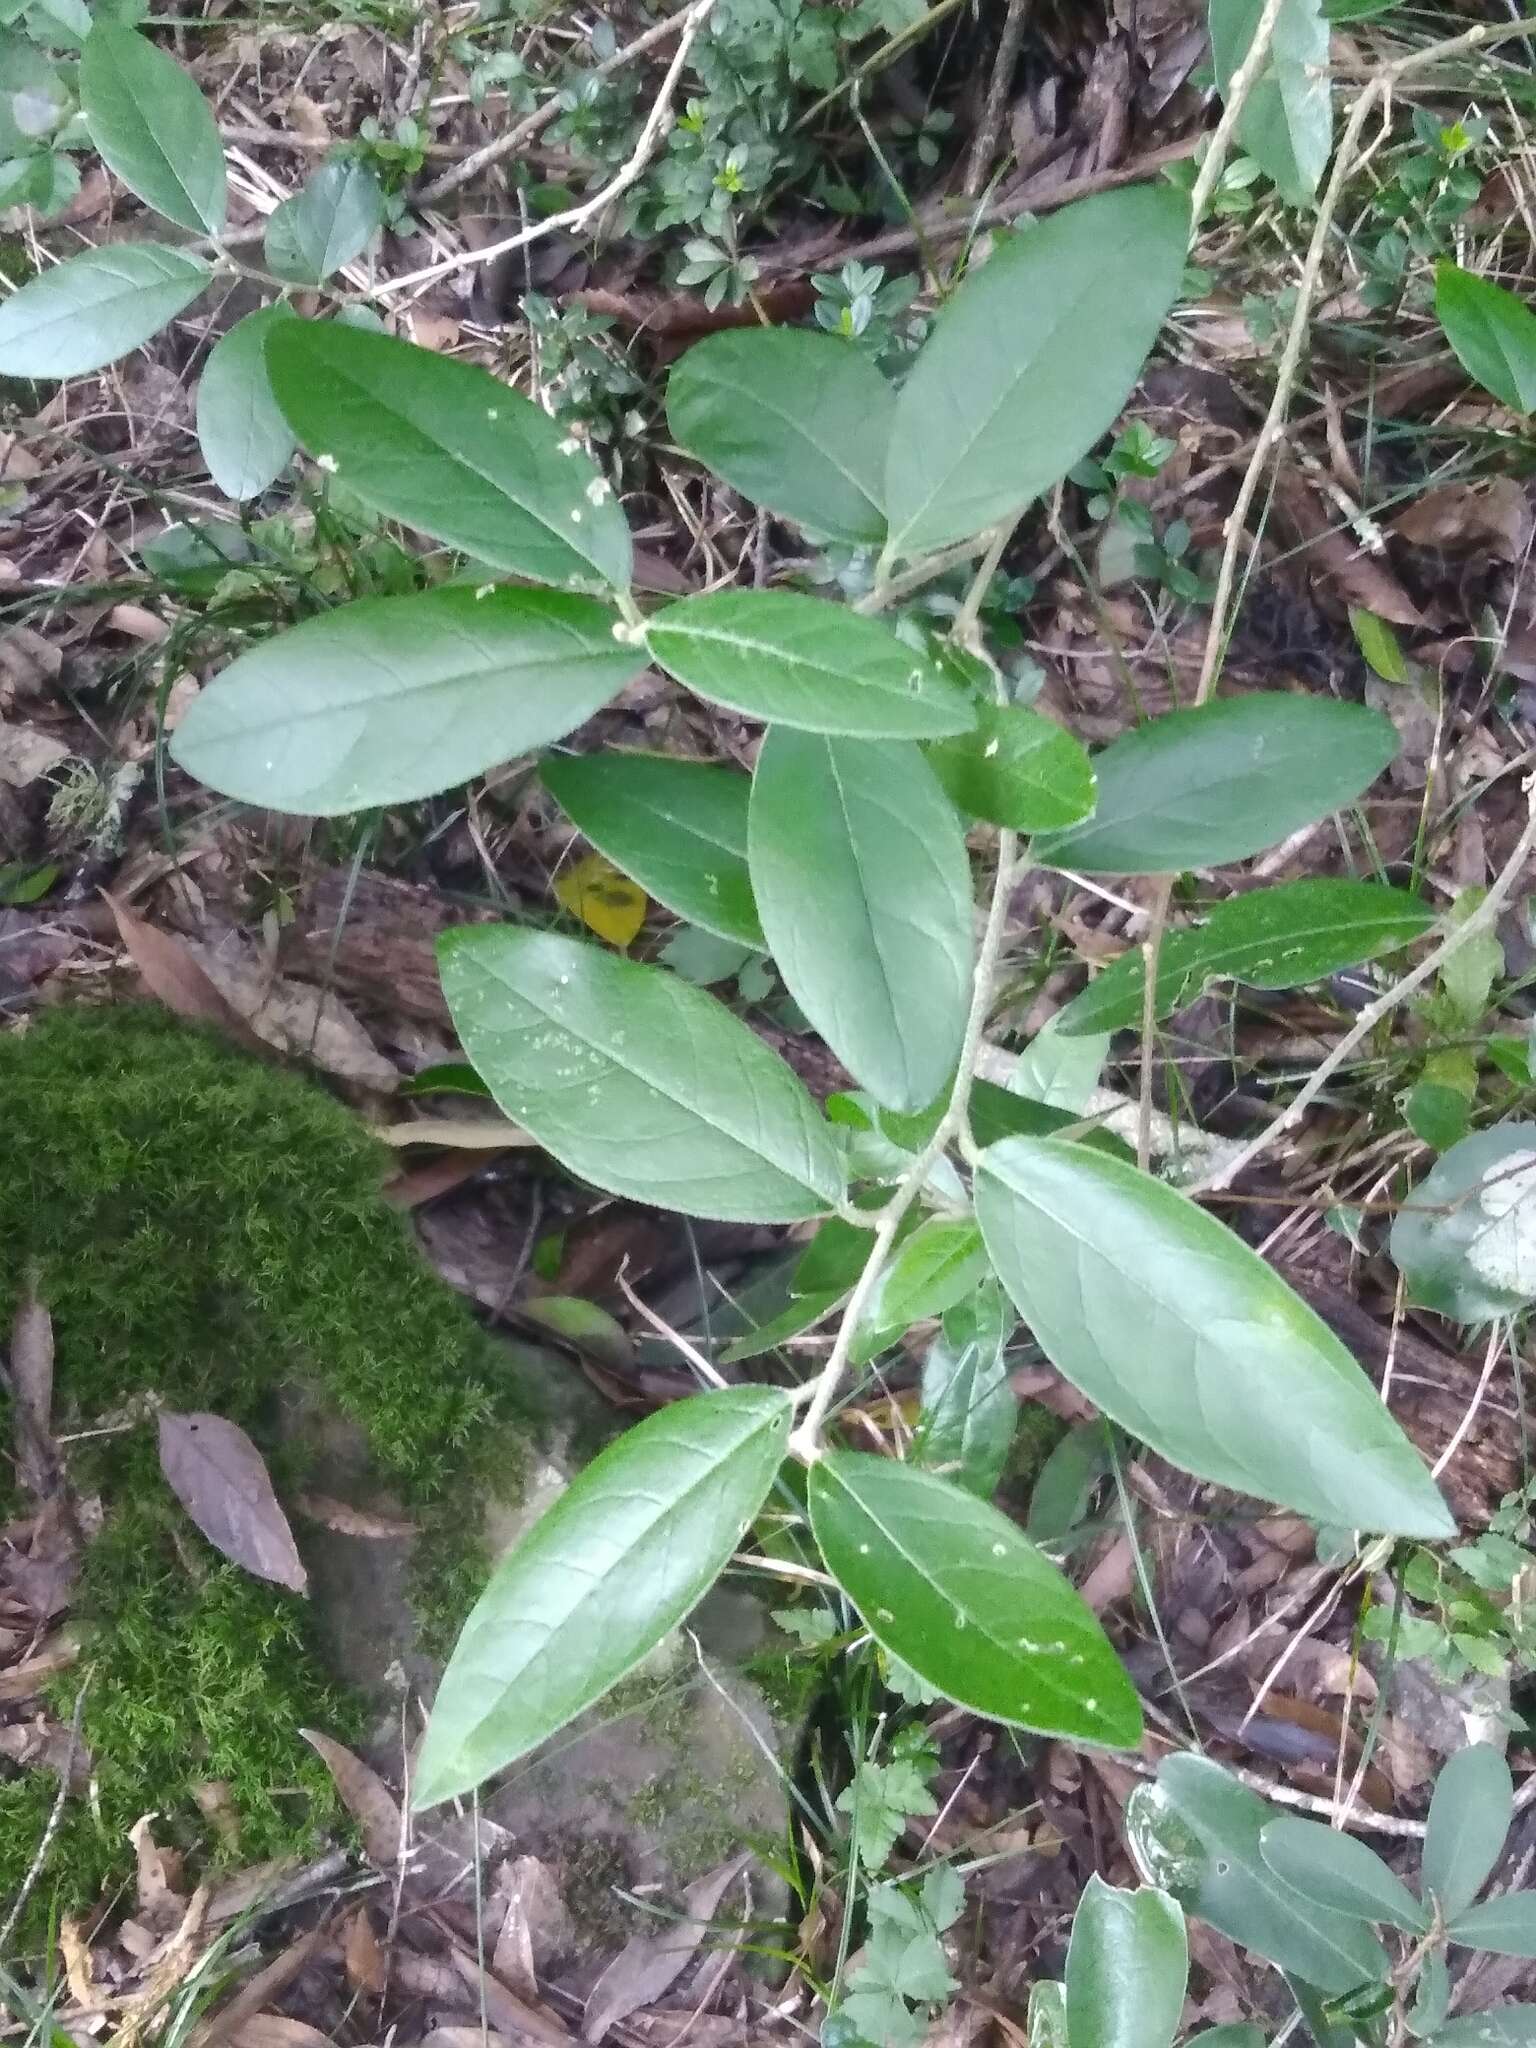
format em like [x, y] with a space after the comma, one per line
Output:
[27, 755]
[536, 1927]
[174, 977]
[291, 1017]
[363, 1956]
[37, 1457]
[652, 1963]
[220, 1478]
[349, 1521]
[365, 1796]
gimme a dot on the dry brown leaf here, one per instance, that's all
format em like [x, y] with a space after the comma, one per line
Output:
[1493, 516]
[362, 1955]
[37, 1456]
[365, 1796]
[220, 1478]
[28, 1678]
[161, 1900]
[509, 2014]
[536, 1927]
[79, 1972]
[350, 1521]
[291, 1017]
[652, 1963]
[490, 1134]
[27, 755]
[268, 1983]
[276, 2030]
[173, 975]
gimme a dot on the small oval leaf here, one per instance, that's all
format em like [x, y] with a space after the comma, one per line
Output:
[245, 440]
[1469, 1815]
[1127, 1966]
[1016, 769]
[1492, 332]
[85, 313]
[937, 1266]
[221, 1479]
[327, 225]
[153, 128]
[1341, 1872]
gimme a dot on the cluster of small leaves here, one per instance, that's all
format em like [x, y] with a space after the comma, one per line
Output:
[903, 1973]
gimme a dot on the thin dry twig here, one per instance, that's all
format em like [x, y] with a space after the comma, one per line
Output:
[984, 146]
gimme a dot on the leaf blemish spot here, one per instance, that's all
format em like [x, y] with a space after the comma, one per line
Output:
[999, 1550]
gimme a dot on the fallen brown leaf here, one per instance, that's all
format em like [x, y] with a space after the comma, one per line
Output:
[23, 1681]
[174, 977]
[220, 1478]
[350, 1521]
[652, 1963]
[535, 1928]
[276, 2030]
[362, 1955]
[37, 1455]
[290, 1016]
[365, 1796]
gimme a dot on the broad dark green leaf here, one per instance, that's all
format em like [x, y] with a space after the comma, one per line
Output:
[1195, 1831]
[795, 420]
[1274, 938]
[1492, 332]
[1286, 123]
[1127, 1966]
[1030, 362]
[1067, 1481]
[679, 827]
[449, 449]
[803, 662]
[1339, 1871]
[864, 890]
[245, 440]
[637, 1081]
[1465, 1240]
[939, 1264]
[1469, 1816]
[998, 1113]
[1504, 1926]
[1505, 2026]
[86, 312]
[1016, 769]
[327, 225]
[969, 1412]
[1172, 1326]
[632, 1545]
[1195, 788]
[948, 1585]
[394, 698]
[835, 1256]
[153, 128]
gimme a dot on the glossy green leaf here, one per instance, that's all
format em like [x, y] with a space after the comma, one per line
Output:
[802, 1312]
[620, 1558]
[939, 1264]
[394, 698]
[1127, 1966]
[679, 827]
[1504, 1926]
[1505, 2026]
[1196, 788]
[1030, 362]
[86, 312]
[1195, 1831]
[863, 886]
[1465, 1240]
[636, 1081]
[1493, 334]
[795, 420]
[449, 449]
[1286, 123]
[1274, 938]
[1377, 640]
[1469, 1815]
[1018, 769]
[806, 663]
[153, 128]
[969, 1412]
[326, 225]
[1169, 1324]
[1339, 1871]
[245, 440]
[948, 1585]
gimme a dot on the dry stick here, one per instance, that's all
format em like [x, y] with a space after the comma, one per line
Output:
[40, 1858]
[991, 128]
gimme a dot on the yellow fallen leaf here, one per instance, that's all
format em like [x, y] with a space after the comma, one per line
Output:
[607, 902]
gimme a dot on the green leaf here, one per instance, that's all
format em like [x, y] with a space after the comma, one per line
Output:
[1127, 1966]
[1492, 332]
[1030, 362]
[1469, 1815]
[1431, 1994]
[449, 449]
[1173, 1327]
[395, 698]
[637, 1081]
[86, 312]
[1378, 642]
[795, 420]
[1047, 2014]
[1505, 1926]
[1286, 124]
[679, 827]
[1066, 1481]
[939, 1264]
[1016, 769]
[999, 1113]
[803, 662]
[1196, 788]
[969, 1412]
[800, 1313]
[864, 889]
[1059, 1072]
[1274, 938]
[632, 1545]
[245, 440]
[1505, 2026]
[1465, 1241]
[153, 128]
[948, 1585]
[1235, 2033]
[1339, 1871]
[327, 225]
[1195, 1831]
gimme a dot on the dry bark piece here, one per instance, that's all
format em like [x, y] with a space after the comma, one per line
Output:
[37, 1456]
[220, 1478]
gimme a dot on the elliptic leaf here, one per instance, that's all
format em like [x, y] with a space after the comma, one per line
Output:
[245, 440]
[1465, 1241]
[864, 889]
[803, 662]
[1127, 1966]
[327, 225]
[1469, 1816]
[1173, 1327]
[1503, 2026]
[679, 827]
[1286, 124]
[969, 1412]
[950, 1586]
[395, 698]
[622, 1556]
[449, 449]
[1504, 1926]
[1492, 332]
[1195, 788]
[795, 420]
[153, 128]
[938, 1265]
[1339, 1871]
[1030, 362]
[1018, 769]
[637, 1081]
[86, 312]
